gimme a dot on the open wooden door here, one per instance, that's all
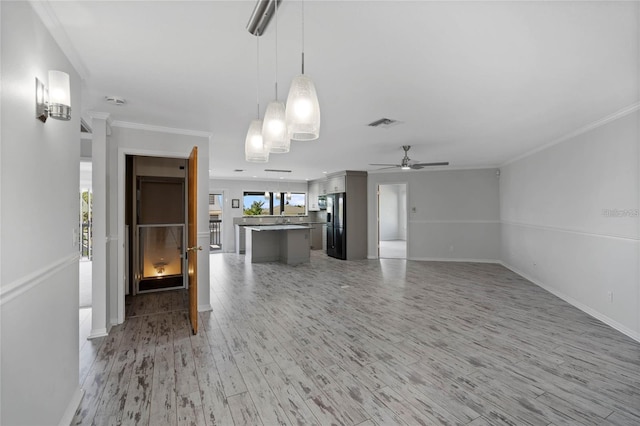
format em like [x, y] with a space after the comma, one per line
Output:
[192, 238]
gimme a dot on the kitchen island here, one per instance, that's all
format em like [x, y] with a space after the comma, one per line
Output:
[277, 243]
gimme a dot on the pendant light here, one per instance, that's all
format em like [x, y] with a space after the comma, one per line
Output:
[274, 128]
[255, 149]
[303, 109]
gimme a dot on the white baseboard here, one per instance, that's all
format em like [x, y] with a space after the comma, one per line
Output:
[70, 411]
[584, 308]
[447, 259]
[205, 308]
[100, 332]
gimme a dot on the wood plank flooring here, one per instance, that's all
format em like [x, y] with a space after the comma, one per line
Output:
[361, 343]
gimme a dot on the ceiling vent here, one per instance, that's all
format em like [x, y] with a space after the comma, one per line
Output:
[238, 170]
[277, 171]
[115, 100]
[384, 123]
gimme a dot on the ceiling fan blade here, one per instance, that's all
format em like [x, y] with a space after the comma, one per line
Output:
[421, 165]
[384, 164]
[385, 168]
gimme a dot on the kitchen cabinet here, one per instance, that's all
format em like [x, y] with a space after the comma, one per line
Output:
[336, 184]
[322, 187]
[316, 236]
[314, 191]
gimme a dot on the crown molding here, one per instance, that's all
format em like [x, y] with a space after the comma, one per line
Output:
[161, 129]
[584, 129]
[50, 20]
[99, 115]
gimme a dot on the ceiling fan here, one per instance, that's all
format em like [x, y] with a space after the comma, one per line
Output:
[407, 164]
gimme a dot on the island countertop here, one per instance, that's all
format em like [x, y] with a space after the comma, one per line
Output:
[276, 227]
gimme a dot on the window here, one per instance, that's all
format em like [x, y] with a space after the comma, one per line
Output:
[274, 204]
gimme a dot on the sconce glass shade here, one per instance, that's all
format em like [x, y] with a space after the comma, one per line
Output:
[274, 129]
[59, 95]
[255, 150]
[303, 110]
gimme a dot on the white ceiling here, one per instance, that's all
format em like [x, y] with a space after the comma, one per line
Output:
[473, 83]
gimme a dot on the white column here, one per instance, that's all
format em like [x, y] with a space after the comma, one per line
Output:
[99, 324]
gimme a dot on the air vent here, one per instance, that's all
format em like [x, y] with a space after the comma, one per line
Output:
[384, 122]
[115, 100]
[238, 170]
[277, 171]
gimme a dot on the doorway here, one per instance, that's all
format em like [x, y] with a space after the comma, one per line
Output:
[85, 234]
[392, 221]
[216, 212]
[156, 211]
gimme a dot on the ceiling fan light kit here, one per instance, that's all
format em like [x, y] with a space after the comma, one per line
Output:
[407, 164]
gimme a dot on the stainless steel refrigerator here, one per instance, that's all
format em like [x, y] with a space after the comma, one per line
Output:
[336, 225]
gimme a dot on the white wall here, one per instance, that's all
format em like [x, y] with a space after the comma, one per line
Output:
[555, 230]
[136, 139]
[39, 211]
[235, 188]
[390, 212]
[453, 214]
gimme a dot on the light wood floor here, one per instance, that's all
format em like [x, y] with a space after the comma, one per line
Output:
[393, 249]
[362, 343]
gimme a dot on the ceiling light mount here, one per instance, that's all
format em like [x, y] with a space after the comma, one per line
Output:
[261, 16]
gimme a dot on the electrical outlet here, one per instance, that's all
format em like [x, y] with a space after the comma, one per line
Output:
[260, 219]
[610, 296]
[451, 249]
[244, 220]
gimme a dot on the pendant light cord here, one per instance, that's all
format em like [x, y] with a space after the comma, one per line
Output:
[302, 36]
[276, 50]
[258, 74]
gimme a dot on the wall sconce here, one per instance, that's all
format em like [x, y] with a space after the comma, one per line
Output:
[54, 102]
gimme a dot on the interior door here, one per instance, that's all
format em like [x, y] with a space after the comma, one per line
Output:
[192, 238]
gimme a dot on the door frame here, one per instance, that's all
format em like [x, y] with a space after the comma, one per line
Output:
[121, 175]
[406, 213]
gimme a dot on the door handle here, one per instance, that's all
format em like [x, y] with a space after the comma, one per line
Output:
[194, 248]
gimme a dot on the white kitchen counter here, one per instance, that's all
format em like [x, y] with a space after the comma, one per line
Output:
[275, 227]
[277, 243]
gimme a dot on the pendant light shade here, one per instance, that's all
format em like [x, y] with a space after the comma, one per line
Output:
[255, 150]
[303, 110]
[274, 129]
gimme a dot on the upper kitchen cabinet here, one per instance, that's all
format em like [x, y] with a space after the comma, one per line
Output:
[336, 183]
[314, 192]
